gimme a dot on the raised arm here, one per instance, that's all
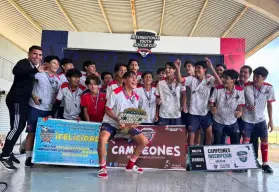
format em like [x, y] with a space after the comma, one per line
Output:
[178, 72]
[214, 73]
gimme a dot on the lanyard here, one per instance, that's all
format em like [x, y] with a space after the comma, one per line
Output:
[171, 88]
[198, 85]
[51, 81]
[148, 96]
[74, 96]
[96, 105]
[230, 95]
[132, 98]
[257, 93]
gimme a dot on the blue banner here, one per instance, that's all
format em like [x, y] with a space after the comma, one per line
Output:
[64, 142]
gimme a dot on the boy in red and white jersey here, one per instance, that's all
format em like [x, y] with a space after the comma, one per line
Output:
[133, 65]
[90, 69]
[226, 104]
[200, 85]
[93, 102]
[171, 98]
[119, 70]
[70, 93]
[258, 94]
[66, 64]
[147, 98]
[120, 99]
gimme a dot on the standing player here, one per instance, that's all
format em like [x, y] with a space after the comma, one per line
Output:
[90, 69]
[170, 102]
[120, 99]
[161, 75]
[65, 64]
[119, 70]
[70, 93]
[93, 102]
[200, 85]
[245, 73]
[107, 78]
[133, 65]
[226, 104]
[147, 98]
[258, 94]
[220, 68]
[43, 96]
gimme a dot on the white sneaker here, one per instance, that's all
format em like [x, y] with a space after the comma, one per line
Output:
[103, 173]
[135, 169]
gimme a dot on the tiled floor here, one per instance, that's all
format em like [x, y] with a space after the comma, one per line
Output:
[74, 179]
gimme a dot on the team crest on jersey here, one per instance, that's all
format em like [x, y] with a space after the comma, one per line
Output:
[237, 97]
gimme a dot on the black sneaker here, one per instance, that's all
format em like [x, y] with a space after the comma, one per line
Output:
[7, 164]
[267, 169]
[14, 159]
[188, 167]
[28, 162]
[259, 166]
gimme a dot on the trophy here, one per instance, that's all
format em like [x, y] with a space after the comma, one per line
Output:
[131, 116]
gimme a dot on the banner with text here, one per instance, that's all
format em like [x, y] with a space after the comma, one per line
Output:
[166, 149]
[222, 157]
[64, 142]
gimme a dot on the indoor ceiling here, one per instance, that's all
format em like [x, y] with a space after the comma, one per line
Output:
[22, 21]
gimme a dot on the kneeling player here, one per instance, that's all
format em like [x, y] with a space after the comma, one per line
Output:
[226, 104]
[120, 99]
[257, 95]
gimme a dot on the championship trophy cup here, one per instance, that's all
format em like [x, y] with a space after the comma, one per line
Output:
[131, 116]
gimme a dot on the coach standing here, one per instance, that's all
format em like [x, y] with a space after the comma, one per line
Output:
[17, 102]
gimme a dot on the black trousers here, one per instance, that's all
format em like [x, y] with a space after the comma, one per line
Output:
[18, 117]
[254, 139]
[218, 138]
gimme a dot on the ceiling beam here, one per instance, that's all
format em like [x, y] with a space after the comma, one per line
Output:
[262, 44]
[66, 15]
[24, 49]
[234, 22]
[162, 18]
[133, 9]
[268, 8]
[104, 15]
[199, 17]
[23, 13]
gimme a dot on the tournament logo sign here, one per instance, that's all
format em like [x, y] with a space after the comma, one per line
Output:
[145, 41]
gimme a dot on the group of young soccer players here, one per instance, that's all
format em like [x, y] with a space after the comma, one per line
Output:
[219, 105]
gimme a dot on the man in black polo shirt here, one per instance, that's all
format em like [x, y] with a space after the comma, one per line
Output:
[17, 102]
